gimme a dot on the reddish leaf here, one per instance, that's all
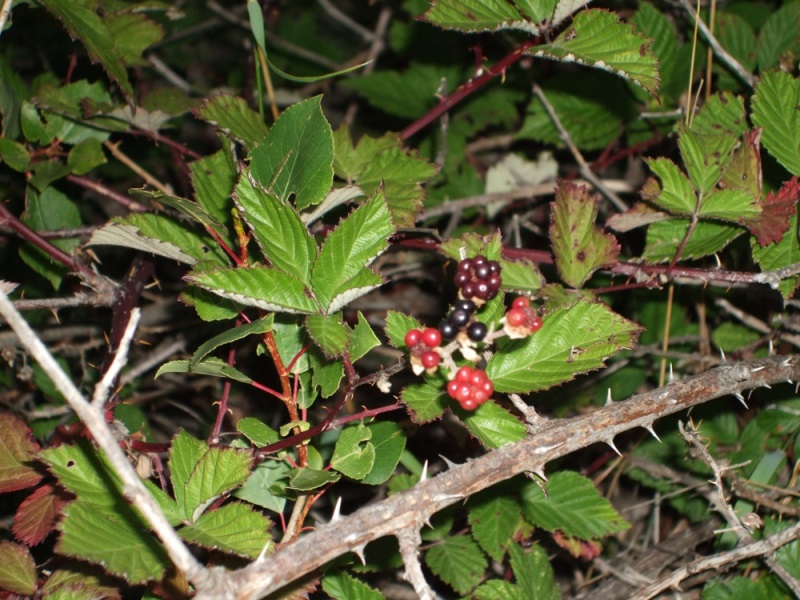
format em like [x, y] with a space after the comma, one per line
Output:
[777, 209]
[744, 170]
[585, 549]
[17, 451]
[37, 515]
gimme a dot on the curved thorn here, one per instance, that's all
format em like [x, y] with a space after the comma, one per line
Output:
[740, 398]
[359, 552]
[424, 474]
[610, 442]
[337, 510]
[450, 464]
[652, 431]
[722, 355]
[538, 471]
[609, 401]
[771, 348]
[671, 374]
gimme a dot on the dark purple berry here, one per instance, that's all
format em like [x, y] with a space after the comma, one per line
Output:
[482, 291]
[494, 266]
[459, 318]
[477, 331]
[448, 330]
[482, 271]
[466, 306]
[494, 282]
[468, 290]
[479, 260]
[465, 265]
[461, 279]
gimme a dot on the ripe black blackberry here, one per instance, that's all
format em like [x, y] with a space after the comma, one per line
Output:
[478, 278]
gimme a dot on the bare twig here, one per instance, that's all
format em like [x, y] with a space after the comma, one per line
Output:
[133, 487]
[409, 540]
[558, 438]
[337, 15]
[103, 388]
[375, 50]
[134, 166]
[585, 170]
[755, 322]
[720, 52]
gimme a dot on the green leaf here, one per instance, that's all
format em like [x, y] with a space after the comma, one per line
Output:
[734, 588]
[341, 586]
[87, 26]
[782, 254]
[397, 325]
[65, 108]
[51, 210]
[296, 157]
[497, 589]
[341, 272]
[736, 35]
[572, 505]
[326, 374]
[730, 205]
[15, 155]
[188, 208]
[85, 472]
[458, 561]
[212, 366]
[280, 233]
[389, 442]
[723, 114]
[85, 156]
[676, 193]
[705, 156]
[775, 102]
[521, 275]
[307, 479]
[235, 528]
[384, 163]
[229, 336]
[133, 33]
[354, 455]
[362, 338]
[259, 433]
[213, 178]
[200, 474]
[658, 27]
[266, 486]
[492, 425]
[18, 574]
[232, 115]
[329, 333]
[161, 235]
[579, 246]
[598, 39]
[493, 520]
[425, 401]
[17, 452]
[593, 107]
[573, 339]
[477, 15]
[33, 127]
[534, 573]
[664, 238]
[778, 36]
[264, 287]
[115, 537]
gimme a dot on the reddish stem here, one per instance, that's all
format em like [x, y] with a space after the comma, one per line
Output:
[222, 408]
[468, 88]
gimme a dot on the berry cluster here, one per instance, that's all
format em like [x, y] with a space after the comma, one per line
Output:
[471, 387]
[423, 346]
[521, 320]
[459, 319]
[478, 279]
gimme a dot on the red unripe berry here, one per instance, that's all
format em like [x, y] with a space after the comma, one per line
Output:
[430, 359]
[432, 337]
[469, 404]
[452, 388]
[464, 392]
[536, 323]
[480, 396]
[464, 374]
[413, 337]
[521, 302]
[516, 317]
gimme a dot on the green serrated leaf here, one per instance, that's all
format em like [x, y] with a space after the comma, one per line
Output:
[264, 287]
[326, 374]
[280, 233]
[534, 573]
[778, 36]
[187, 207]
[213, 178]
[161, 235]
[665, 237]
[598, 39]
[521, 275]
[307, 479]
[572, 505]
[397, 325]
[330, 333]
[730, 205]
[705, 156]
[256, 327]
[85, 156]
[266, 486]
[389, 442]
[676, 193]
[775, 102]
[573, 339]
[658, 27]
[723, 114]
[784, 253]
[579, 246]
[84, 472]
[493, 520]
[201, 474]
[362, 338]
[259, 433]
[341, 586]
[734, 588]
[86, 25]
[492, 425]
[234, 117]
[18, 573]
[736, 35]
[211, 366]
[383, 163]
[235, 528]
[15, 155]
[115, 537]
[295, 160]
[425, 401]
[341, 272]
[477, 15]
[458, 561]
[354, 455]
[496, 589]
[133, 33]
